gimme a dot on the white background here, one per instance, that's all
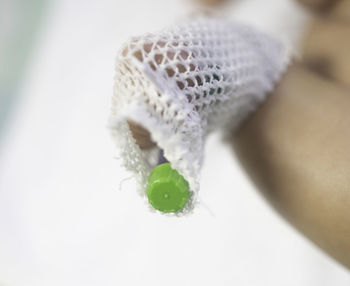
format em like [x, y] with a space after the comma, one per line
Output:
[63, 219]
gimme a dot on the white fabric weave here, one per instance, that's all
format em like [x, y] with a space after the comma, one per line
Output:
[186, 81]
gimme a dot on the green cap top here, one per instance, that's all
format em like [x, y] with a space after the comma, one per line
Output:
[167, 190]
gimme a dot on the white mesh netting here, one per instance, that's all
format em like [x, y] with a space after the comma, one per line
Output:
[186, 81]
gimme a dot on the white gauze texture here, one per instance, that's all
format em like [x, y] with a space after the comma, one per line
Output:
[186, 81]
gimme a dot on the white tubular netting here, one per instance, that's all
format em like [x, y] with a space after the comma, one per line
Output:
[186, 81]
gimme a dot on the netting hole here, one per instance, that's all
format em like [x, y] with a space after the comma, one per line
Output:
[152, 66]
[190, 82]
[158, 58]
[181, 68]
[180, 84]
[138, 55]
[170, 72]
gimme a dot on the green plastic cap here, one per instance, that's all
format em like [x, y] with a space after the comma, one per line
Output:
[167, 190]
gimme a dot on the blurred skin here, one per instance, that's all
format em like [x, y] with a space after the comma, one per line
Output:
[211, 3]
[296, 146]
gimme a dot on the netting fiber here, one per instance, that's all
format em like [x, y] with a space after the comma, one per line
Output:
[186, 81]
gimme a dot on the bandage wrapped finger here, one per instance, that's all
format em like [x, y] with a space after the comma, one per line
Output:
[184, 82]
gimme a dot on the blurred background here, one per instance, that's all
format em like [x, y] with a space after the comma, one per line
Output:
[67, 214]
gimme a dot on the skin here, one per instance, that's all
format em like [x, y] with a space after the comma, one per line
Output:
[211, 3]
[296, 146]
[296, 150]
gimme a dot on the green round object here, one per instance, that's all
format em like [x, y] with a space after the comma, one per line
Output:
[167, 190]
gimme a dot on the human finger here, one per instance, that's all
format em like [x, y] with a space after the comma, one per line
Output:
[326, 49]
[295, 148]
[318, 5]
[341, 11]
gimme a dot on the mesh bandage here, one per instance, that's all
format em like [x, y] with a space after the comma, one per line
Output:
[186, 81]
